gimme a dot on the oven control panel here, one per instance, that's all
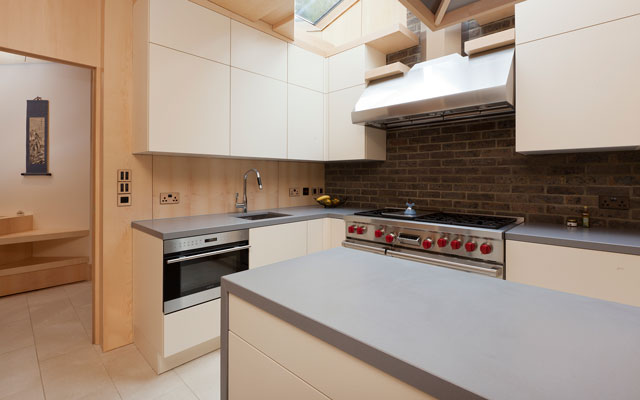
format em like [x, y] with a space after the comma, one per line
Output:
[435, 240]
[202, 241]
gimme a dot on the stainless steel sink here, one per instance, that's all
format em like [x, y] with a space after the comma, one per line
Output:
[267, 215]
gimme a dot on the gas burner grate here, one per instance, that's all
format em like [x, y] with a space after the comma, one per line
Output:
[475, 221]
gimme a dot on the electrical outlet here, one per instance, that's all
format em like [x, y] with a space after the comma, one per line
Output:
[124, 200]
[124, 187]
[294, 192]
[314, 191]
[305, 191]
[614, 202]
[170, 198]
[124, 175]
[320, 190]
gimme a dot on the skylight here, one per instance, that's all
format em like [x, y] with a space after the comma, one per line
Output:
[312, 11]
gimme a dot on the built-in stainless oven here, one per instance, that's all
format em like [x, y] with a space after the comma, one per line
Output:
[193, 267]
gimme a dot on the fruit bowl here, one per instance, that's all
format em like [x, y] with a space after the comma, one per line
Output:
[330, 201]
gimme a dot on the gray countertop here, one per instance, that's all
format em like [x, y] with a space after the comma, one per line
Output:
[173, 228]
[453, 334]
[617, 241]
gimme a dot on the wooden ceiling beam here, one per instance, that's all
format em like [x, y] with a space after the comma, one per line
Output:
[473, 10]
[421, 11]
[442, 9]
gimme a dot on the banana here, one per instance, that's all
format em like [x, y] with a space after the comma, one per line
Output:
[323, 197]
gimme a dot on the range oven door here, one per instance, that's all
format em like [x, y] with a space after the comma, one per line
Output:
[192, 276]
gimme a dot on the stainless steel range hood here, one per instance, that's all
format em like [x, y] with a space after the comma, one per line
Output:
[445, 89]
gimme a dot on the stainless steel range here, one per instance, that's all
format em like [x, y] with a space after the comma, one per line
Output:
[473, 243]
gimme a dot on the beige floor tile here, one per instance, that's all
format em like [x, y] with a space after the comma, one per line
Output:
[180, 393]
[133, 376]
[77, 375]
[79, 293]
[57, 329]
[48, 295]
[13, 308]
[85, 314]
[15, 335]
[20, 374]
[202, 375]
[32, 393]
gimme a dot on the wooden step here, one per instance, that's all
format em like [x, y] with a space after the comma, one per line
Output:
[41, 272]
[32, 264]
[39, 235]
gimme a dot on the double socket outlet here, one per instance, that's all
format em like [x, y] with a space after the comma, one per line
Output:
[170, 198]
[305, 191]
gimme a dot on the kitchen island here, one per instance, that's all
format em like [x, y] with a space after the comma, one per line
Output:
[348, 324]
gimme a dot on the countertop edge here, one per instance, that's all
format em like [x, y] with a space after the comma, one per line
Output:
[411, 375]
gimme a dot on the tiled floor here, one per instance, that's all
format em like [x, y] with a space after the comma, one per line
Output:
[46, 353]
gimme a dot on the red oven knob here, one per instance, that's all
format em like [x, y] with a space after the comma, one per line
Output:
[470, 246]
[486, 248]
[456, 244]
[427, 243]
[442, 242]
[361, 230]
[390, 238]
[379, 232]
[351, 229]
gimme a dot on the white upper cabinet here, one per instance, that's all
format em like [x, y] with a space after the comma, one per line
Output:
[255, 51]
[579, 91]
[258, 115]
[347, 69]
[305, 124]
[543, 18]
[187, 115]
[188, 27]
[305, 68]
[348, 141]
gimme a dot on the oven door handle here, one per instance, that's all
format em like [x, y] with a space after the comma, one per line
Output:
[211, 253]
[493, 272]
[357, 246]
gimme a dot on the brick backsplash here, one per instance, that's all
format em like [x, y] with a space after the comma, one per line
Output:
[472, 167]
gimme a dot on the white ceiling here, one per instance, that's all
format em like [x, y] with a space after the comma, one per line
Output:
[10, 58]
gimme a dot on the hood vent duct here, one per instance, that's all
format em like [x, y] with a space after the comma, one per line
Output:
[446, 89]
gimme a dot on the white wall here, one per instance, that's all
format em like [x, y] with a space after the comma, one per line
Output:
[63, 199]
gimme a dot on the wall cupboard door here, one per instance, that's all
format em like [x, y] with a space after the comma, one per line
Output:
[188, 103]
[258, 115]
[347, 69]
[305, 124]
[348, 141]
[253, 375]
[305, 68]
[271, 244]
[255, 51]
[188, 27]
[543, 18]
[599, 274]
[579, 90]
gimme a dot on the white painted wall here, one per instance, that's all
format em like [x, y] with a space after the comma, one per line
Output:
[63, 199]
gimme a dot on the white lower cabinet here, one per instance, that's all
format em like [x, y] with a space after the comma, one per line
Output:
[258, 115]
[271, 244]
[599, 274]
[296, 360]
[348, 141]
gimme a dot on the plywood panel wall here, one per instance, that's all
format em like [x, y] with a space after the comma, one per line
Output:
[209, 185]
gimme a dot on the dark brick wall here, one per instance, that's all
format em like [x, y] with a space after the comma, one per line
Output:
[473, 168]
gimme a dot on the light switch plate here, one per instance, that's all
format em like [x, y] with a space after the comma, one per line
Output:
[124, 200]
[124, 175]
[124, 187]
[170, 198]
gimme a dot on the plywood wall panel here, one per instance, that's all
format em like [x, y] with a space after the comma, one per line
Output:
[209, 185]
[380, 14]
[346, 28]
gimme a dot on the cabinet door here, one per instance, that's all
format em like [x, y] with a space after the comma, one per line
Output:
[543, 18]
[253, 375]
[255, 51]
[337, 232]
[188, 27]
[579, 90]
[305, 124]
[258, 115]
[271, 244]
[347, 69]
[599, 274]
[305, 68]
[316, 235]
[190, 327]
[188, 103]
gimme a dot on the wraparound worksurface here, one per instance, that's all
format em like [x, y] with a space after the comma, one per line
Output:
[449, 333]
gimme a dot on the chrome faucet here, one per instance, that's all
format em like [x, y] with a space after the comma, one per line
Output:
[244, 203]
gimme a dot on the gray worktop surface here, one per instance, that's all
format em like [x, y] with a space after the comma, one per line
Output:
[617, 241]
[452, 333]
[173, 228]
